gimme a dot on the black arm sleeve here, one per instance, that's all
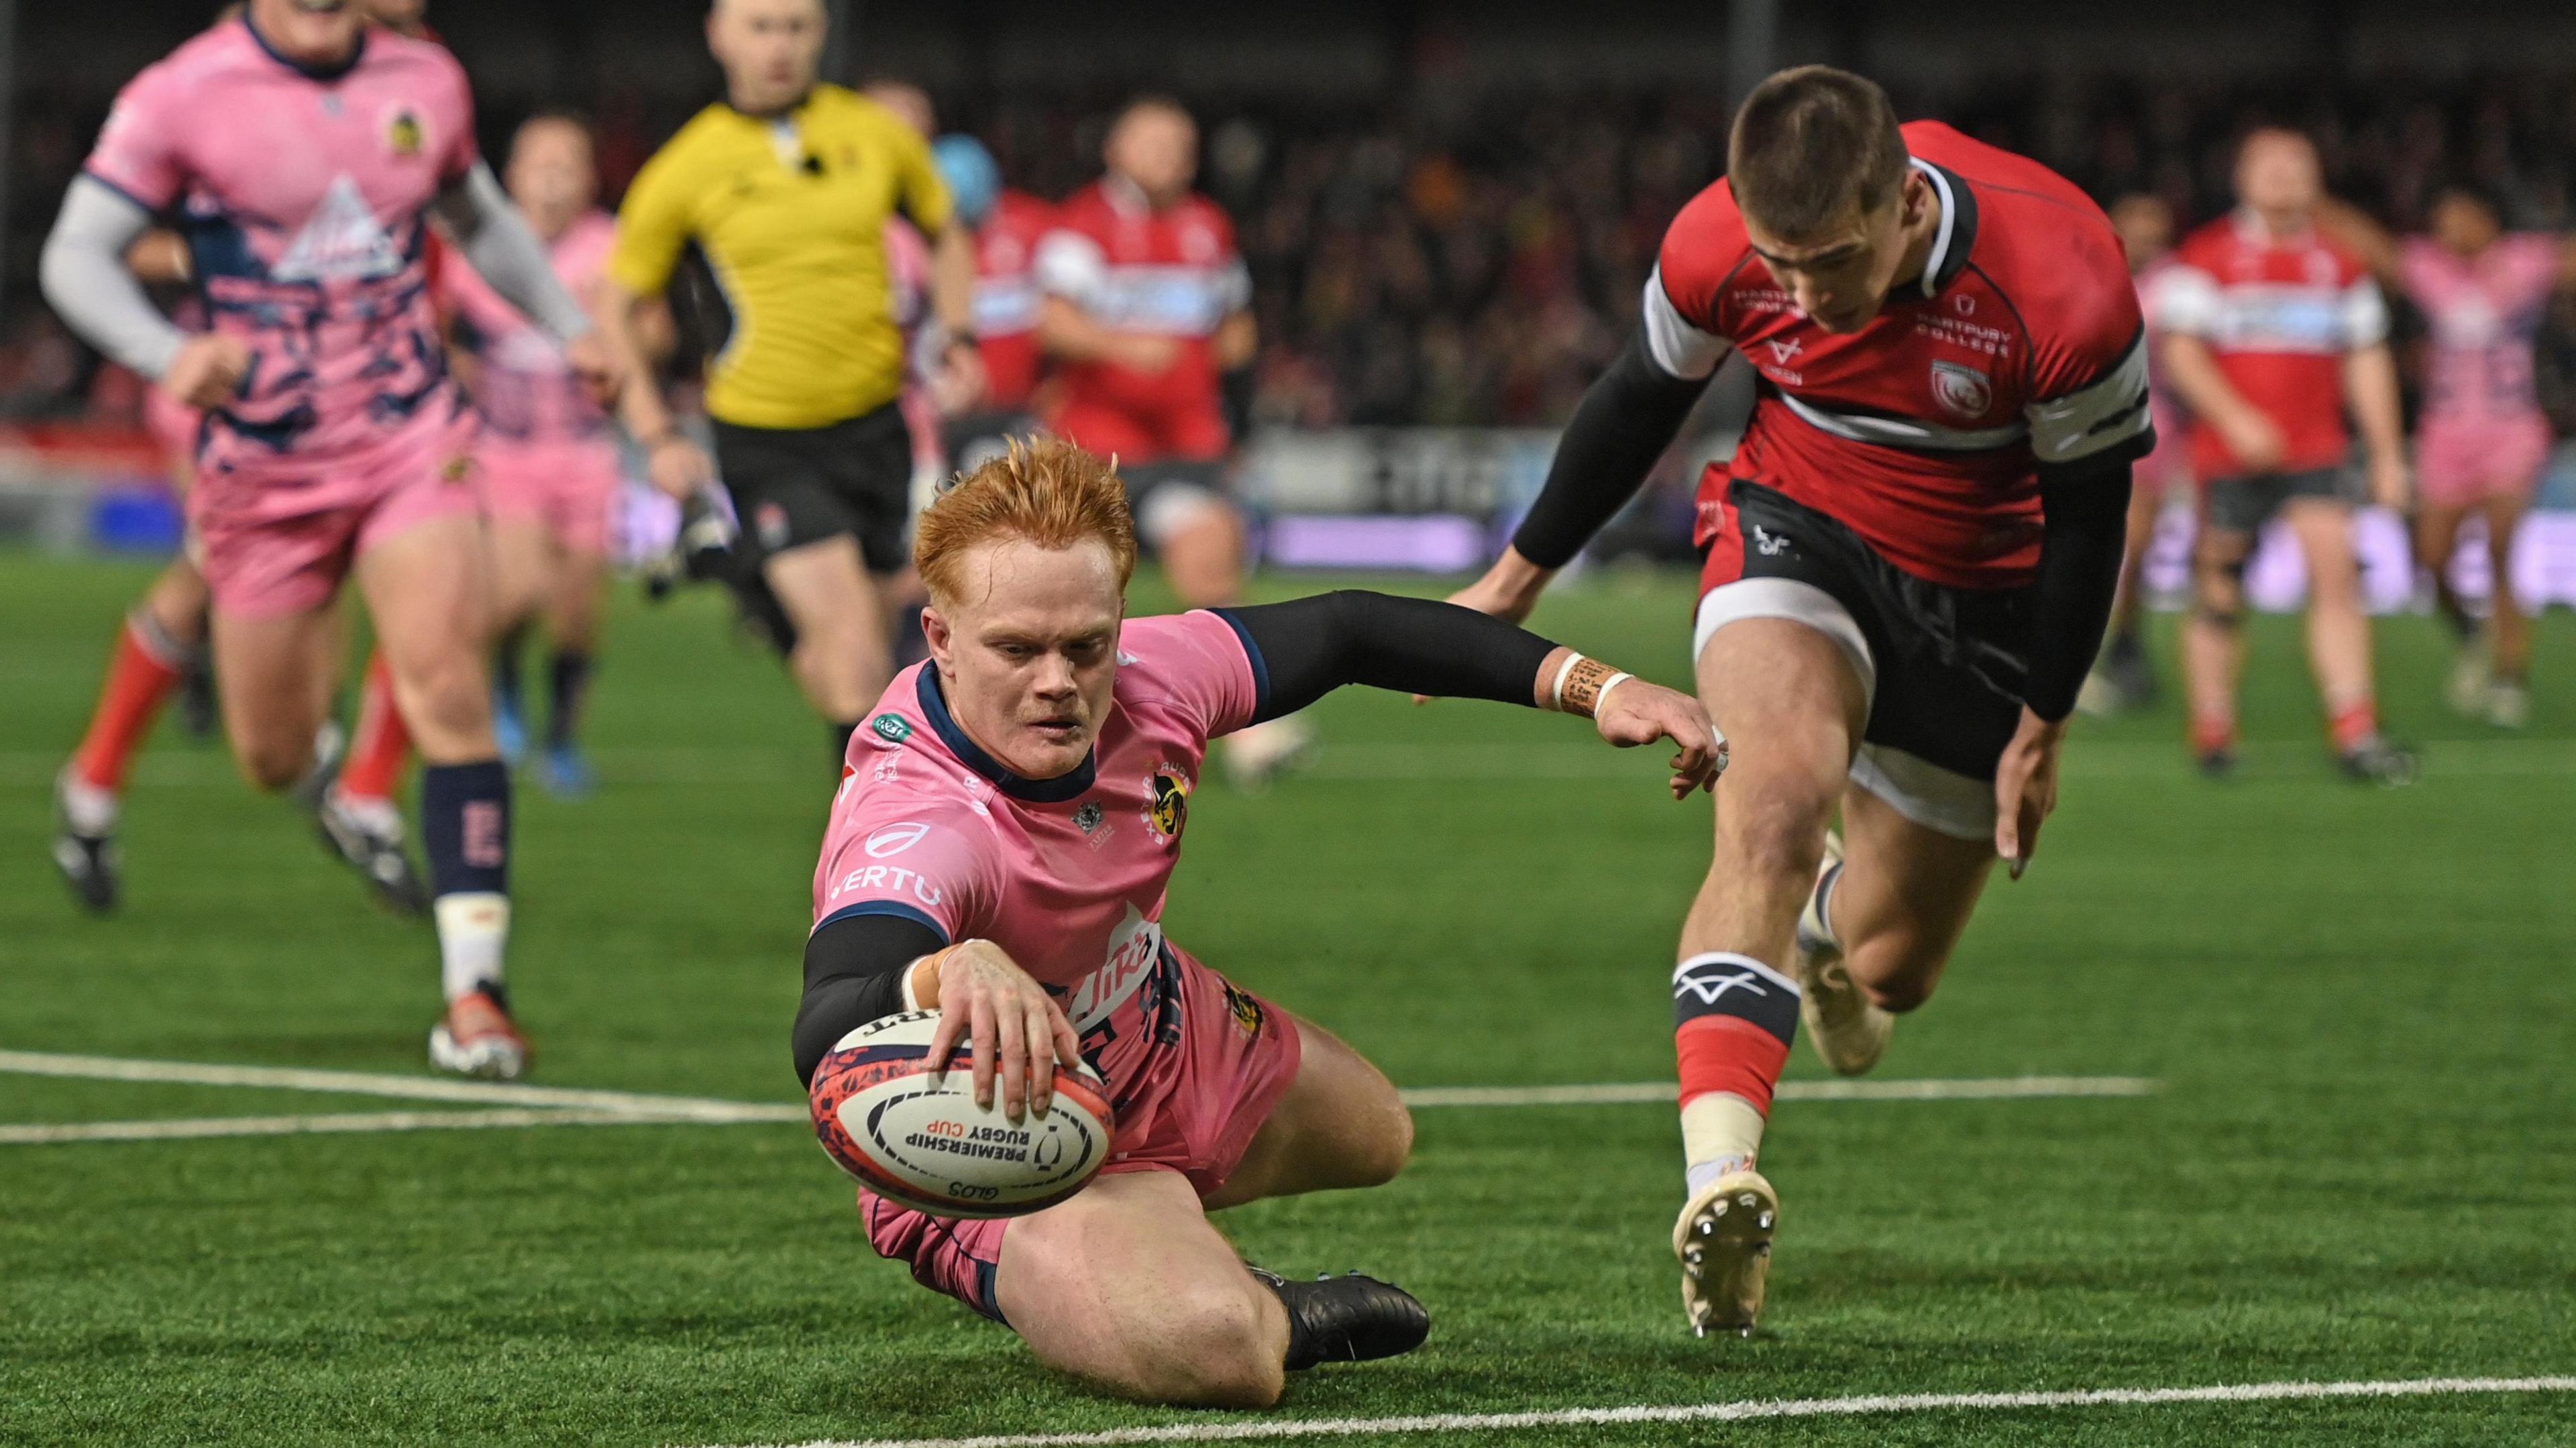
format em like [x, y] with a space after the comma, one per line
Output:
[854, 975]
[1628, 417]
[1305, 649]
[2085, 511]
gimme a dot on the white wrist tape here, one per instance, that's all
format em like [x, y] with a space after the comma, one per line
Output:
[911, 998]
[1601, 700]
[1556, 691]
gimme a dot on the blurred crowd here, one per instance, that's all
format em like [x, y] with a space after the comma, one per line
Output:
[1475, 262]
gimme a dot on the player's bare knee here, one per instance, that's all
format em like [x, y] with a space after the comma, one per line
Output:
[1231, 1352]
[274, 765]
[448, 697]
[1381, 1152]
[1779, 820]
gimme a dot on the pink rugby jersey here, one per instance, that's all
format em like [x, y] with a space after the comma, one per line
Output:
[1067, 875]
[2485, 312]
[302, 196]
[528, 395]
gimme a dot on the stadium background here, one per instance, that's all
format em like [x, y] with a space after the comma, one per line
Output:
[1447, 208]
[2354, 1002]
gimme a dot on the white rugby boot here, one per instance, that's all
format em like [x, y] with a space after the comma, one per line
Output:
[1723, 1240]
[1848, 1032]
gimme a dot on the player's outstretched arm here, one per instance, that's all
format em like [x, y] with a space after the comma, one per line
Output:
[1309, 647]
[1629, 415]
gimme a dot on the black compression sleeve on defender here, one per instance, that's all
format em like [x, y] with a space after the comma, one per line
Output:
[2085, 511]
[1629, 415]
[853, 975]
[1305, 649]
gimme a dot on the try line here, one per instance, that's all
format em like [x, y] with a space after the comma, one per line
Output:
[1240, 1432]
[510, 1104]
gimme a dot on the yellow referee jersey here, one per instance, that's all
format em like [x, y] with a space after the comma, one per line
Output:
[790, 214]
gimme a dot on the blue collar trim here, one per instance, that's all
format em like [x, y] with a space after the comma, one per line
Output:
[934, 707]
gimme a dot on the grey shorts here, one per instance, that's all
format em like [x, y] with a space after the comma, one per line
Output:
[2244, 504]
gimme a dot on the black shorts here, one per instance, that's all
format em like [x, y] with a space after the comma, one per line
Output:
[794, 486]
[2244, 503]
[1943, 667]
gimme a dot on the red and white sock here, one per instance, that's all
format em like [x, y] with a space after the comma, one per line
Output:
[382, 746]
[1733, 1020]
[141, 675]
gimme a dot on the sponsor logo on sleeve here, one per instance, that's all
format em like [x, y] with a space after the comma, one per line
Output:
[896, 838]
[892, 728]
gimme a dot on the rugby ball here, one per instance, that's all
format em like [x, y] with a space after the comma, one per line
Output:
[919, 1139]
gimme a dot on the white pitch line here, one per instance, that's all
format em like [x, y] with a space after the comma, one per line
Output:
[2005, 1088]
[337, 1123]
[1238, 1432]
[408, 1088]
[1361, 761]
[206, 1127]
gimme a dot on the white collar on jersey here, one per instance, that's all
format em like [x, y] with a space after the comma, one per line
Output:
[1949, 222]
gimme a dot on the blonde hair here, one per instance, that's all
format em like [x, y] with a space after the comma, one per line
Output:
[1045, 491]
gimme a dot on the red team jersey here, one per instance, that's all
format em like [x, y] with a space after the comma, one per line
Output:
[2280, 315]
[1922, 432]
[1171, 273]
[1007, 298]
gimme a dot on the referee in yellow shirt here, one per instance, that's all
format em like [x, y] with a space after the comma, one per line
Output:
[785, 188]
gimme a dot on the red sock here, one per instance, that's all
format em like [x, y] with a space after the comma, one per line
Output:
[1730, 1054]
[383, 744]
[2212, 733]
[2354, 725]
[139, 679]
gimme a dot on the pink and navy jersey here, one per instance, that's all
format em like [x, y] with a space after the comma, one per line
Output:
[2485, 312]
[2279, 314]
[1171, 273]
[1923, 431]
[1068, 874]
[528, 395]
[302, 196]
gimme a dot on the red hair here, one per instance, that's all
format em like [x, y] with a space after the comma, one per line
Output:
[1045, 491]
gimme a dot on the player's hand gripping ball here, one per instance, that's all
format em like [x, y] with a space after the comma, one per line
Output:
[912, 1133]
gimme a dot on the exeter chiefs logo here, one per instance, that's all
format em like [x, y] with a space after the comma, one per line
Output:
[404, 134]
[1167, 802]
[1961, 390]
[1245, 1007]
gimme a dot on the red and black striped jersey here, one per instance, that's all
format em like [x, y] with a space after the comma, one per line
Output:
[2020, 346]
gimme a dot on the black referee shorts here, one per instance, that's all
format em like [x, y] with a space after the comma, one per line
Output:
[794, 486]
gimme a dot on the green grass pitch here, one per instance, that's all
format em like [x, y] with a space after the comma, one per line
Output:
[2363, 1165]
